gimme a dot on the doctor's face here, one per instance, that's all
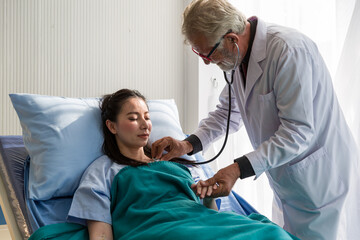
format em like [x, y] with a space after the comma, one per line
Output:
[222, 56]
[133, 125]
[228, 60]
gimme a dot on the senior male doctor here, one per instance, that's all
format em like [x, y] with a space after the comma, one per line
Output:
[283, 94]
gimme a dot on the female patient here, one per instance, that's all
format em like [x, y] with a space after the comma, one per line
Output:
[126, 195]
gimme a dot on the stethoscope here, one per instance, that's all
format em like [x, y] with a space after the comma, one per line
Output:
[229, 111]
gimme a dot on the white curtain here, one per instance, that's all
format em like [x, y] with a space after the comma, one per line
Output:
[347, 78]
[335, 27]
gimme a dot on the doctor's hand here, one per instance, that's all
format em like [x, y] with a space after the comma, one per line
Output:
[221, 183]
[174, 147]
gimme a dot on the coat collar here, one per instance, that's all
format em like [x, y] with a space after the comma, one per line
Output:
[258, 53]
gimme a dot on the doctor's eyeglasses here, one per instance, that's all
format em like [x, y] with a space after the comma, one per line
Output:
[212, 50]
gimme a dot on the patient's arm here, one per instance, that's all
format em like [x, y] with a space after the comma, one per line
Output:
[205, 193]
[210, 203]
[99, 230]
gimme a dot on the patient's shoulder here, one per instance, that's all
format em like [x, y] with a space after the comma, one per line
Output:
[105, 163]
[104, 168]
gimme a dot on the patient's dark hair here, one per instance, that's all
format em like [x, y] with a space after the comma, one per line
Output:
[111, 106]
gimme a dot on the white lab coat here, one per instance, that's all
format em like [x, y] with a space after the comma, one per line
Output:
[299, 134]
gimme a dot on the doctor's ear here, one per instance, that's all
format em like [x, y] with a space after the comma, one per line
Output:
[111, 126]
[232, 38]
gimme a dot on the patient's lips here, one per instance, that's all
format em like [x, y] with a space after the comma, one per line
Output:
[144, 136]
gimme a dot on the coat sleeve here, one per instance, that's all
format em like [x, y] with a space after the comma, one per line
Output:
[294, 99]
[214, 126]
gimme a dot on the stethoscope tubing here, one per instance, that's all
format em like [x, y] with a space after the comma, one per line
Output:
[227, 124]
[229, 111]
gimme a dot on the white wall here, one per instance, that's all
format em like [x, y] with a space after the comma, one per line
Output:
[191, 70]
[86, 48]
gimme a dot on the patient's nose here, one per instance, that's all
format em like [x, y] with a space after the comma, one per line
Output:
[144, 124]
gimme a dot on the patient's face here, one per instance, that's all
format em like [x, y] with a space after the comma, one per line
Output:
[133, 125]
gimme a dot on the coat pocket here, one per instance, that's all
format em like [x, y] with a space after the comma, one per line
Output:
[265, 116]
[315, 181]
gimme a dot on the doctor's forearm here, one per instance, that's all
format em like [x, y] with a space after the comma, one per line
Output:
[244, 164]
[280, 149]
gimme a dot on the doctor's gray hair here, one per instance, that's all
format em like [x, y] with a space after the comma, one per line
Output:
[212, 19]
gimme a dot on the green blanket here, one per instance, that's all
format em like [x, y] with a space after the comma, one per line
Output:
[156, 202]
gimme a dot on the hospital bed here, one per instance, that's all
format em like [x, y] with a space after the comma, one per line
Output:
[24, 216]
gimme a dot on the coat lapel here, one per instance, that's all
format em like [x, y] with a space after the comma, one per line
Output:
[258, 53]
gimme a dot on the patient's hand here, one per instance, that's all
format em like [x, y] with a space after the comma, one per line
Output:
[175, 148]
[221, 183]
[203, 191]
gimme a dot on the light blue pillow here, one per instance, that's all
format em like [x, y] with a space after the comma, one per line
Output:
[63, 136]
